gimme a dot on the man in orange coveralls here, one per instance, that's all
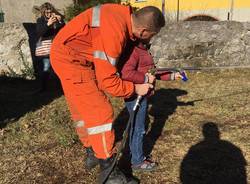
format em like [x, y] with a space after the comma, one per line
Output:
[84, 55]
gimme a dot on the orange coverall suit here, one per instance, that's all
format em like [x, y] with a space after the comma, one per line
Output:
[98, 36]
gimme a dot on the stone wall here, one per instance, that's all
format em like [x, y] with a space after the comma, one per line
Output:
[203, 44]
[183, 43]
[16, 48]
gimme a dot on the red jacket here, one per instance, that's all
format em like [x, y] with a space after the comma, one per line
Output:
[136, 62]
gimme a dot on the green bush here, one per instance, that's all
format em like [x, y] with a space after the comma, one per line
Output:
[76, 8]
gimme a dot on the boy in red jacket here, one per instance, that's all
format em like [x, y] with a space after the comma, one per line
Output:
[137, 62]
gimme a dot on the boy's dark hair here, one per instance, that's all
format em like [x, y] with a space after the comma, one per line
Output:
[150, 17]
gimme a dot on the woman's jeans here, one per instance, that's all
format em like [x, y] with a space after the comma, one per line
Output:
[138, 131]
[44, 72]
[46, 64]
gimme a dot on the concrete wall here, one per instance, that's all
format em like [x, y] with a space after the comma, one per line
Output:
[19, 11]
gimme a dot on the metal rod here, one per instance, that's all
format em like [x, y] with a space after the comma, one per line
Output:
[202, 68]
[178, 9]
[163, 7]
[231, 10]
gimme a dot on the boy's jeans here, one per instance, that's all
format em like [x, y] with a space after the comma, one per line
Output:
[136, 142]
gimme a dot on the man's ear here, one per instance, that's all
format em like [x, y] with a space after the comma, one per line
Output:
[141, 30]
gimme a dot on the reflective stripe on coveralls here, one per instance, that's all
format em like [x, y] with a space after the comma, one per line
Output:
[96, 129]
[102, 55]
[96, 16]
[79, 124]
[96, 23]
[83, 133]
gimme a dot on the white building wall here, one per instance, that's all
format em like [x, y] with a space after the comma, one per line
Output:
[19, 11]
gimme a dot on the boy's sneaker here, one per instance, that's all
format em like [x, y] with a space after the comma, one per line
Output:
[146, 165]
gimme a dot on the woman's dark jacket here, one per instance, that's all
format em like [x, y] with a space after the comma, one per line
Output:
[47, 32]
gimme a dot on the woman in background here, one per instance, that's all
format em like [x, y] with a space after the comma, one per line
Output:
[48, 25]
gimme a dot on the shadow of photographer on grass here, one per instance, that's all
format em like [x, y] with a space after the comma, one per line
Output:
[213, 160]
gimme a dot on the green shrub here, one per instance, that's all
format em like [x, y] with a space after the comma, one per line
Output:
[76, 8]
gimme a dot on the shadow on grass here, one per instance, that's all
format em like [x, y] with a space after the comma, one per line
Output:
[213, 161]
[19, 96]
[164, 103]
[31, 31]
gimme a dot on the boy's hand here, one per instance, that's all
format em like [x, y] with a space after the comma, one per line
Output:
[178, 75]
[151, 78]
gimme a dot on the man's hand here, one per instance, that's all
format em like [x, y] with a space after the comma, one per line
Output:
[142, 89]
[151, 78]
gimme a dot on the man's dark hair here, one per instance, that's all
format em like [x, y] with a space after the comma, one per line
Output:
[150, 17]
